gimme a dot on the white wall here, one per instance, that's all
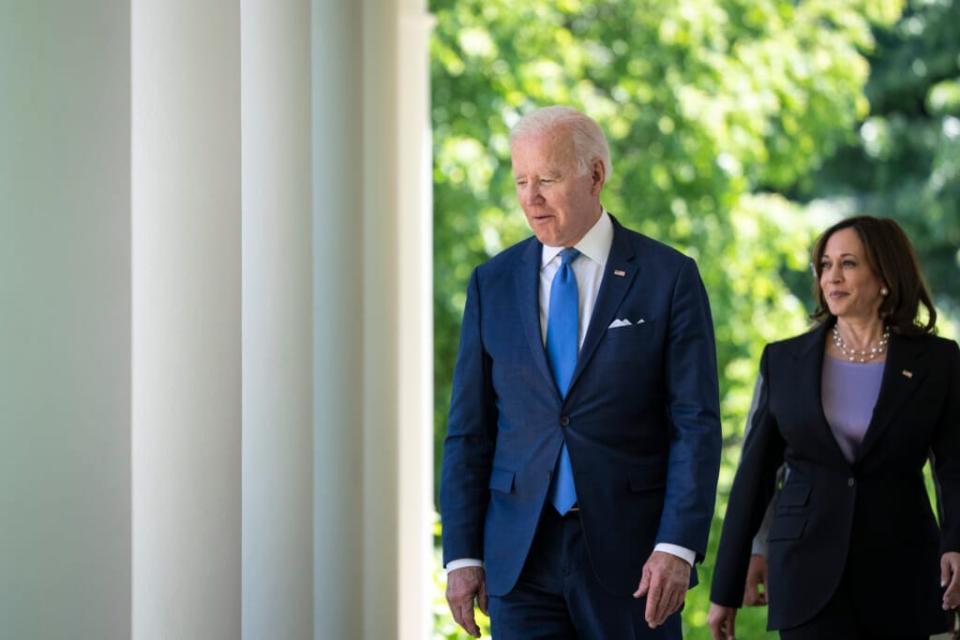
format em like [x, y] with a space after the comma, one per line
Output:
[64, 331]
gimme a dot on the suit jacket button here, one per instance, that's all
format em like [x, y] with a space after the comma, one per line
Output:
[564, 421]
[850, 482]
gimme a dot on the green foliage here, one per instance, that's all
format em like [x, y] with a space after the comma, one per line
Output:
[905, 161]
[738, 130]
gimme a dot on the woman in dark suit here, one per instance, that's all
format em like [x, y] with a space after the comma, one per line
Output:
[853, 408]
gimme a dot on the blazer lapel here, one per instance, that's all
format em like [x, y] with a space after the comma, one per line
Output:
[527, 286]
[612, 289]
[902, 375]
[809, 357]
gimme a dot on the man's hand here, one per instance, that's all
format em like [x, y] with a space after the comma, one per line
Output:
[756, 576]
[721, 621]
[465, 585]
[949, 578]
[664, 580]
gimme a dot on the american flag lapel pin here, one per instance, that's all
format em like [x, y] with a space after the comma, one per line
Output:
[907, 373]
[619, 273]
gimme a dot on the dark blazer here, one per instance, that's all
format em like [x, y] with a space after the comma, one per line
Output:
[871, 518]
[641, 417]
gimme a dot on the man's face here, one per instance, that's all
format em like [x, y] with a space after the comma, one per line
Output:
[559, 204]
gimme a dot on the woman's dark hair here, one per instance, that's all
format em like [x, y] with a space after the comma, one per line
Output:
[892, 258]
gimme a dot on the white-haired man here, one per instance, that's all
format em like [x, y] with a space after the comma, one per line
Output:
[583, 441]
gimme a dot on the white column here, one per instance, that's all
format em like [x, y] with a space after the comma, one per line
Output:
[64, 320]
[415, 323]
[126, 508]
[380, 320]
[397, 375]
[186, 319]
[338, 312]
[373, 310]
[277, 327]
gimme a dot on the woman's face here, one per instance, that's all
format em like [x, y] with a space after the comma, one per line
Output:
[848, 284]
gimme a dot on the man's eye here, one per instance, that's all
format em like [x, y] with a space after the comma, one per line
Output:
[521, 183]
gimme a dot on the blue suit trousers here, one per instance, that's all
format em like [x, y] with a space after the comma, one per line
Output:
[558, 597]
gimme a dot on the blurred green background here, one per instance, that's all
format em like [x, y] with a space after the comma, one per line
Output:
[738, 128]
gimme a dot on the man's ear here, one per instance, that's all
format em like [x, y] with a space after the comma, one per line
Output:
[598, 175]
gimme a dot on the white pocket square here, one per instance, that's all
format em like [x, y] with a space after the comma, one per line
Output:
[623, 322]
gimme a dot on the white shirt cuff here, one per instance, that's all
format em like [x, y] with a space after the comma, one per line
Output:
[463, 562]
[676, 550]
[759, 546]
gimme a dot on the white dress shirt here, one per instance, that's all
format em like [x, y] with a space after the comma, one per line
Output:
[588, 268]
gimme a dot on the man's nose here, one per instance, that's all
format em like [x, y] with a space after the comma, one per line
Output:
[531, 192]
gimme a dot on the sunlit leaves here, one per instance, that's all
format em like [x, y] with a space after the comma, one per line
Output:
[944, 98]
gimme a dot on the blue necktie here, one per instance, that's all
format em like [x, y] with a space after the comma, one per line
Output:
[563, 339]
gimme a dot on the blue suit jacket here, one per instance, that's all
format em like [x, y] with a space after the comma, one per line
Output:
[641, 418]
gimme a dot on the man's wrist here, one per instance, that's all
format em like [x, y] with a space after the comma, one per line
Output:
[460, 563]
[687, 555]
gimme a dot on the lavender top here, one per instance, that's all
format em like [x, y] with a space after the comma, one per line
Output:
[849, 391]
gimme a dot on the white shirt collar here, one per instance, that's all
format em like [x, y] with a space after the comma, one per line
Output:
[595, 244]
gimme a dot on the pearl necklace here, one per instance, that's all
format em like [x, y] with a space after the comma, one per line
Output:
[860, 355]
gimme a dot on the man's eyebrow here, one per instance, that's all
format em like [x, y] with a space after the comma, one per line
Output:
[547, 175]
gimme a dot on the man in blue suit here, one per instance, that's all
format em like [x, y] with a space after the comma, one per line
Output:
[583, 441]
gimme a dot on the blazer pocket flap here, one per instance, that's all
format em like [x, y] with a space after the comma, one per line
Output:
[502, 480]
[794, 495]
[787, 527]
[647, 478]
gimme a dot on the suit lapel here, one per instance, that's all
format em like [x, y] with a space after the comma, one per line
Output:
[527, 286]
[618, 276]
[808, 391]
[902, 375]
